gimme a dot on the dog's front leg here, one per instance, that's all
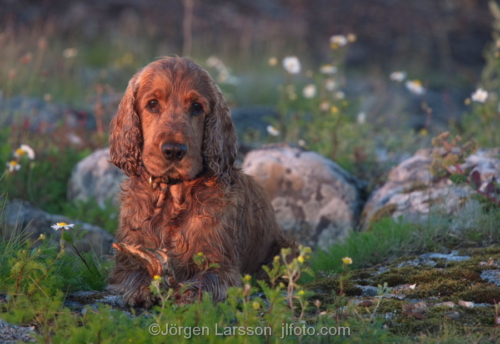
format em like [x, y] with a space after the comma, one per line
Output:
[216, 282]
[136, 266]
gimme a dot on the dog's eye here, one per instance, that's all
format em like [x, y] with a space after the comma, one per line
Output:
[196, 109]
[153, 106]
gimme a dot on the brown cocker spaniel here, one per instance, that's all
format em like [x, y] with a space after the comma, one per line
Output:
[174, 138]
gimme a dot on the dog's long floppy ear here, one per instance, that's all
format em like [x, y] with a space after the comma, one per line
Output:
[219, 142]
[126, 135]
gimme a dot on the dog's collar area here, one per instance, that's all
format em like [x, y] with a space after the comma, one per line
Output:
[154, 182]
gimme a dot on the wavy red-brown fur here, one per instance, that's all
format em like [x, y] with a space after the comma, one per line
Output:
[212, 208]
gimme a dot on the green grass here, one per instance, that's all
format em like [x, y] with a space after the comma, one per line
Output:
[389, 239]
[23, 262]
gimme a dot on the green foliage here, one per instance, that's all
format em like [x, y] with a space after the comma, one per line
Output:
[90, 212]
[43, 180]
[482, 122]
[318, 115]
[447, 160]
[449, 154]
[387, 239]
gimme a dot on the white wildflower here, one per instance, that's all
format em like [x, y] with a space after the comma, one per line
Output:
[213, 62]
[309, 91]
[338, 41]
[415, 87]
[324, 106]
[13, 166]
[330, 84]
[340, 95]
[361, 119]
[480, 95]
[328, 69]
[69, 53]
[25, 150]
[272, 130]
[291, 64]
[63, 225]
[398, 76]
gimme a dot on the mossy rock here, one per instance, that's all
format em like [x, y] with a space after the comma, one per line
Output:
[437, 283]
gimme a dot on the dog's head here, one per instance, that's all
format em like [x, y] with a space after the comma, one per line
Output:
[174, 121]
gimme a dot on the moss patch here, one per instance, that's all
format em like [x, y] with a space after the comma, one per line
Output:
[437, 283]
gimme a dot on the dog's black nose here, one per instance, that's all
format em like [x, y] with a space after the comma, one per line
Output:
[174, 151]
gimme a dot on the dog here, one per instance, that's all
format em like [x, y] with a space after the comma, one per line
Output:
[174, 139]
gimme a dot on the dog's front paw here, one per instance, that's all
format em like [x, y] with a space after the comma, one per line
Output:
[139, 297]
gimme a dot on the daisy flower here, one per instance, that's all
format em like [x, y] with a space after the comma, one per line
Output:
[398, 76]
[272, 130]
[480, 95]
[337, 41]
[62, 225]
[291, 64]
[324, 106]
[415, 87]
[25, 150]
[69, 53]
[309, 91]
[361, 119]
[347, 260]
[330, 84]
[13, 166]
[328, 69]
[340, 95]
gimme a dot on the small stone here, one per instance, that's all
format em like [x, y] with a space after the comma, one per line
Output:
[368, 290]
[445, 304]
[452, 316]
[361, 303]
[467, 304]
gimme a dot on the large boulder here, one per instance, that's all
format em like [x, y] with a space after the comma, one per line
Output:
[413, 193]
[315, 200]
[21, 218]
[95, 178]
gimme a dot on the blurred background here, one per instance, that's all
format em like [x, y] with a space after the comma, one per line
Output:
[376, 80]
[61, 50]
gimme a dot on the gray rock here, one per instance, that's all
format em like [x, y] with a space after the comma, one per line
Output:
[315, 200]
[368, 290]
[413, 193]
[22, 218]
[11, 334]
[95, 177]
[492, 276]
[453, 256]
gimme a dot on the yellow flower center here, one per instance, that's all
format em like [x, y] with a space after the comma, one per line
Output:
[20, 152]
[14, 163]
[62, 224]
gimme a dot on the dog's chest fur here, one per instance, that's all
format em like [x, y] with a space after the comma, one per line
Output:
[170, 216]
